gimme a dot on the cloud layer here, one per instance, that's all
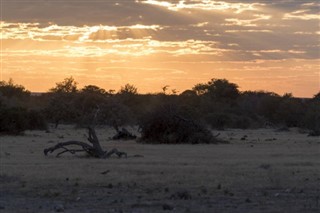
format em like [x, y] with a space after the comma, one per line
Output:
[195, 39]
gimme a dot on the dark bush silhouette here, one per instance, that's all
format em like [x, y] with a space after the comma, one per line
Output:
[218, 89]
[92, 89]
[10, 89]
[87, 103]
[117, 114]
[221, 121]
[60, 106]
[290, 111]
[169, 125]
[218, 120]
[36, 120]
[128, 89]
[311, 119]
[68, 85]
[15, 120]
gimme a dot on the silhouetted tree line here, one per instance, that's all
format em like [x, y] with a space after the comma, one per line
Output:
[217, 103]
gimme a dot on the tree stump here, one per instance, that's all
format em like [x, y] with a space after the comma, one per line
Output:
[124, 134]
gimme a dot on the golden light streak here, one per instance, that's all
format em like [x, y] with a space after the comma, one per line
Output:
[302, 15]
[79, 34]
[203, 5]
[257, 46]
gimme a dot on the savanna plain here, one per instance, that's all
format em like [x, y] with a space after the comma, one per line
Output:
[262, 170]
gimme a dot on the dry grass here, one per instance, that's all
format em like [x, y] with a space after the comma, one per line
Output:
[268, 171]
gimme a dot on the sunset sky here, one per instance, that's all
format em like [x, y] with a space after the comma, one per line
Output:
[268, 45]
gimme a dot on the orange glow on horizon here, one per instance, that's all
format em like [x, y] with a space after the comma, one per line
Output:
[153, 43]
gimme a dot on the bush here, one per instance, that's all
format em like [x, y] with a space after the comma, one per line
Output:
[311, 118]
[13, 120]
[9, 89]
[115, 113]
[17, 119]
[36, 120]
[228, 120]
[218, 89]
[218, 120]
[61, 108]
[169, 125]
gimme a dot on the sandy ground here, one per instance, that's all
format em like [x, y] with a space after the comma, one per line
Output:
[269, 171]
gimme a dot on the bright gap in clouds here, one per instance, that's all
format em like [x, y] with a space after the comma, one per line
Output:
[153, 43]
[203, 5]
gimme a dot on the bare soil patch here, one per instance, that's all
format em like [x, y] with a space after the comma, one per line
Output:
[259, 171]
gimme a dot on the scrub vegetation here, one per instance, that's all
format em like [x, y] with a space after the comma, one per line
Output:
[217, 104]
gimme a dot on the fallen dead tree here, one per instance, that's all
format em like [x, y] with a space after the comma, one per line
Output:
[93, 149]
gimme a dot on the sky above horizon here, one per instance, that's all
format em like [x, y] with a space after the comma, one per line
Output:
[257, 44]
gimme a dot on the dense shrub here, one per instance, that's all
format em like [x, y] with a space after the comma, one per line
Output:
[311, 119]
[61, 102]
[61, 108]
[290, 112]
[110, 112]
[169, 125]
[10, 89]
[15, 120]
[218, 89]
[229, 120]
[218, 120]
[117, 114]
[36, 120]
[87, 104]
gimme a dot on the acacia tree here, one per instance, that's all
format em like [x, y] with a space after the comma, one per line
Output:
[68, 85]
[61, 104]
[218, 89]
[88, 101]
[128, 89]
[92, 89]
[128, 97]
[316, 97]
